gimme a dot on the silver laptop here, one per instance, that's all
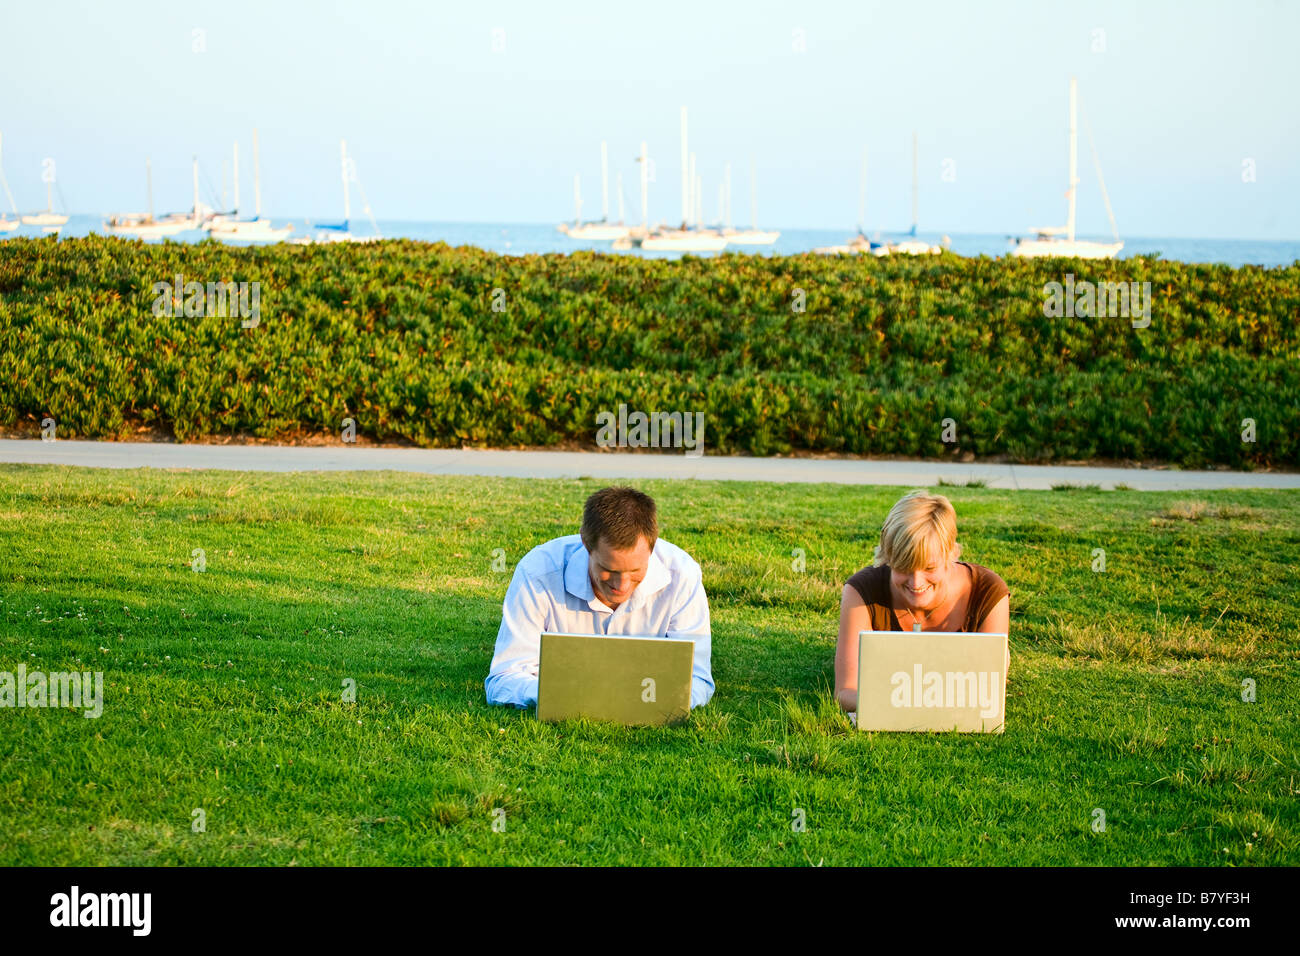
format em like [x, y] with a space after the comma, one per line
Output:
[932, 680]
[632, 680]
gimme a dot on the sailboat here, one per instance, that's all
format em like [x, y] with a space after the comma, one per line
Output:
[7, 224]
[603, 229]
[49, 218]
[257, 229]
[1060, 240]
[859, 244]
[690, 237]
[911, 245]
[577, 206]
[341, 232]
[139, 225]
[636, 234]
[753, 236]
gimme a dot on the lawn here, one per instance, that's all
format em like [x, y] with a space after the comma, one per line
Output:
[224, 689]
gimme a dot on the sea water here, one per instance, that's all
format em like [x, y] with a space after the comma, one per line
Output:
[529, 238]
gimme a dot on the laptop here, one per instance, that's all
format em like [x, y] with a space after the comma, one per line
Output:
[632, 680]
[932, 680]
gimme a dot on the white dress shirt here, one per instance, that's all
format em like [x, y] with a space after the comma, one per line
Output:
[551, 591]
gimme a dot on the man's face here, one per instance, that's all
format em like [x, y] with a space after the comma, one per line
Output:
[616, 573]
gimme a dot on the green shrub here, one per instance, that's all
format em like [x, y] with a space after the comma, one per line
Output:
[402, 337]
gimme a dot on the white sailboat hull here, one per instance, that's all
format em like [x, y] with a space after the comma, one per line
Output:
[328, 238]
[9, 225]
[632, 240]
[858, 245]
[248, 230]
[1065, 248]
[141, 229]
[915, 247]
[598, 231]
[45, 219]
[752, 237]
[684, 241]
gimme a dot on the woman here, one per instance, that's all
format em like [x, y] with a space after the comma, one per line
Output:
[916, 580]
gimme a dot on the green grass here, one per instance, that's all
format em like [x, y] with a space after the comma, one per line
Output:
[223, 688]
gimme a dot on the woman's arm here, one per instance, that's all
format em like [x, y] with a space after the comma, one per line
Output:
[998, 621]
[853, 618]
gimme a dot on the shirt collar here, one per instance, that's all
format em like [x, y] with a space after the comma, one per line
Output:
[578, 582]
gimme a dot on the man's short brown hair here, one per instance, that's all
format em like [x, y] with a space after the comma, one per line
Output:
[619, 517]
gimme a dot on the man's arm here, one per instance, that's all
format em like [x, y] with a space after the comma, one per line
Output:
[692, 620]
[512, 678]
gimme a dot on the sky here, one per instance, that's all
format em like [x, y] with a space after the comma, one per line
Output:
[485, 111]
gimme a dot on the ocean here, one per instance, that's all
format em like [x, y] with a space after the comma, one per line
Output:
[527, 238]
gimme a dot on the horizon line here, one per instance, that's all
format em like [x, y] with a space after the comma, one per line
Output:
[1007, 234]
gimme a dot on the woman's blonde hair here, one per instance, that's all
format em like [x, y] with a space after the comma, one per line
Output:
[921, 530]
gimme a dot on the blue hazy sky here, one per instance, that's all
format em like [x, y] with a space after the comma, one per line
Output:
[443, 127]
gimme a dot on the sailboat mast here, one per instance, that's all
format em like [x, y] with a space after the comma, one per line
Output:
[604, 182]
[645, 186]
[685, 181]
[257, 180]
[148, 178]
[692, 195]
[347, 200]
[727, 181]
[915, 180]
[699, 201]
[753, 195]
[49, 196]
[236, 177]
[1074, 160]
[862, 196]
[5, 182]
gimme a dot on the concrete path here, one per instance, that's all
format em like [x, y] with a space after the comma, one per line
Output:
[557, 464]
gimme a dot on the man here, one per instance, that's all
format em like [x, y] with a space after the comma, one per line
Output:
[615, 577]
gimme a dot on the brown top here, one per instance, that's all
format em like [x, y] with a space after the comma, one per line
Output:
[987, 588]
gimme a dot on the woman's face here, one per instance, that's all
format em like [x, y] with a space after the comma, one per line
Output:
[923, 588]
